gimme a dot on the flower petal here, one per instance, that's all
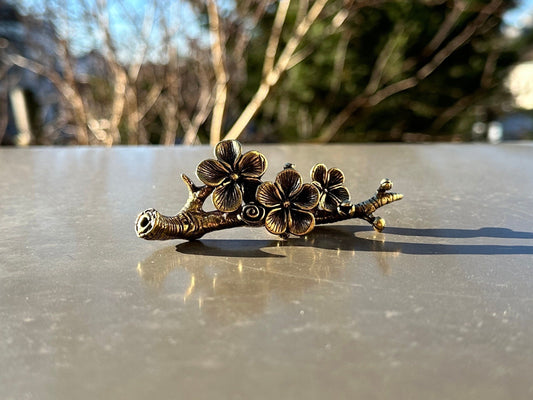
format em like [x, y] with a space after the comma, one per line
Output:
[335, 177]
[289, 181]
[276, 221]
[228, 151]
[328, 202]
[306, 198]
[340, 193]
[228, 197]
[249, 187]
[319, 174]
[212, 172]
[252, 164]
[268, 195]
[300, 222]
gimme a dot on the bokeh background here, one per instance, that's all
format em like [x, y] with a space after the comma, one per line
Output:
[109, 72]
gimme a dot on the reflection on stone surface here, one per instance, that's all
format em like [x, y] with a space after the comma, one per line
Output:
[233, 291]
[345, 239]
[237, 277]
[232, 280]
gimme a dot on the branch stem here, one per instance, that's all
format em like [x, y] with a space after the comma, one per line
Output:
[192, 222]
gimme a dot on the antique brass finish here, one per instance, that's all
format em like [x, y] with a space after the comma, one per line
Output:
[286, 206]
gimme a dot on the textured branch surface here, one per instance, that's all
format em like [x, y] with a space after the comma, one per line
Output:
[192, 222]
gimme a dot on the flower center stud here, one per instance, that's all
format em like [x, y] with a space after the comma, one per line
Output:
[286, 204]
[234, 176]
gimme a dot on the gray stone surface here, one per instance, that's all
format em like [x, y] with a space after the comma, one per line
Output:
[439, 306]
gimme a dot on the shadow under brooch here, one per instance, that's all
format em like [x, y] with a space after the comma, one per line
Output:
[284, 207]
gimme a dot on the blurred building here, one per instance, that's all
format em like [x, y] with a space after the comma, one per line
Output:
[516, 121]
[28, 101]
[520, 83]
[32, 110]
[519, 124]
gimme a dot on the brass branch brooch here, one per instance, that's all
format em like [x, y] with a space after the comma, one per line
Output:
[284, 207]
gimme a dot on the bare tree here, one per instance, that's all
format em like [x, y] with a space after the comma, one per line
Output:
[183, 107]
[121, 117]
[168, 77]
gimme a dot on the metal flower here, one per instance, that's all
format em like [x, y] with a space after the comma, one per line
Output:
[235, 176]
[330, 183]
[290, 202]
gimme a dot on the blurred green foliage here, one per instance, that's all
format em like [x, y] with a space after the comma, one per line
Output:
[443, 105]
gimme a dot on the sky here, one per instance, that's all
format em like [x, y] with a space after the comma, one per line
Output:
[126, 22]
[520, 16]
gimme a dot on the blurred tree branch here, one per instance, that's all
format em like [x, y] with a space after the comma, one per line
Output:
[217, 57]
[69, 93]
[272, 76]
[372, 98]
[182, 72]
